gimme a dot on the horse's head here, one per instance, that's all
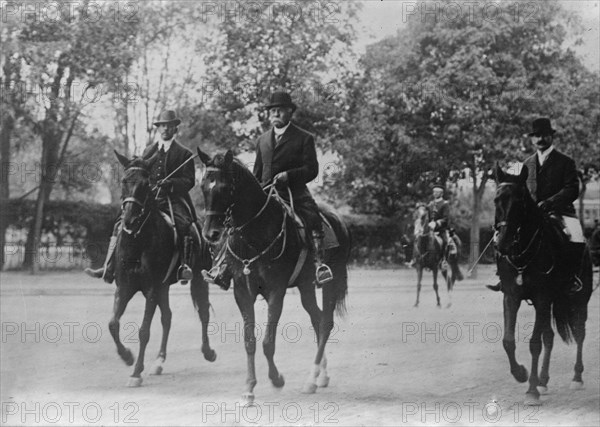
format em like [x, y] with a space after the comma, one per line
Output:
[218, 187]
[136, 194]
[513, 205]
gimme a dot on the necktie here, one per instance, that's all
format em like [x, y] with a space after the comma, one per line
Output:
[278, 139]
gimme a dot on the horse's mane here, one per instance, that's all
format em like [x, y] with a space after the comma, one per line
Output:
[238, 168]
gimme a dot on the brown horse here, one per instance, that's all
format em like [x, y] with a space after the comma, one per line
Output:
[142, 257]
[527, 252]
[263, 250]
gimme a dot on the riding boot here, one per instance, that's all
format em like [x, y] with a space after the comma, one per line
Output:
[184, 273]
[107, 271]
[323, 272]
[573, 258]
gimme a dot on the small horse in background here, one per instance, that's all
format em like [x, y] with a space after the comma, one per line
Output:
[427, 251]
[527, 249]
[266, 256]
[143, 255]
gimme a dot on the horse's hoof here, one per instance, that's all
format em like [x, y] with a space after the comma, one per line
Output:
[309, 388]
[279, 381]
[248, 399]
[521, 375]
[210, 355]
[134, 382]
[156, 370]
[532, 399]
[127, 357]
[416, 305]
[323, 381]
[543, 390]
[439, 305]
[576, 385]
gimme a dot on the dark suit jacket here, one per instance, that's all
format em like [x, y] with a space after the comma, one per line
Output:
[440, 213]
[184, 179]
[556, 180]
[295, 155]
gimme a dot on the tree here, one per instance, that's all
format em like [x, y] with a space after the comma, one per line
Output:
[71, 58]
[466, 89]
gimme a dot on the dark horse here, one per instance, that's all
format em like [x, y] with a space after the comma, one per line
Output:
[527, 252]
[142, 258]
[427, 252]
[262, 251]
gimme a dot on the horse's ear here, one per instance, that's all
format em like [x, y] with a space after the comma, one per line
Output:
[204, 158]
[499, 173]
[122, 159]
[524, 173]
[228, 157]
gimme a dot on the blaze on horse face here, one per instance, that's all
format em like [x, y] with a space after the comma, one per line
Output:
[135, 192]
[511, 202]
[218, 189]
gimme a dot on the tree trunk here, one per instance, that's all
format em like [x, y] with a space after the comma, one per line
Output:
[6, 128]
[478, 191]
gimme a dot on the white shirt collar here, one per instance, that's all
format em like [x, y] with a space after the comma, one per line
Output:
[542, 156]
[165, 144]
[281, 131]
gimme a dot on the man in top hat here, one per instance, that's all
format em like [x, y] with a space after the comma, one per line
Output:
[168, 155]
[553, 184]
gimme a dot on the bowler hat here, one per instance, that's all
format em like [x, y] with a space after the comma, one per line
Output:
[280, 99]
[440, 186]
[167, 117]
[541, 127]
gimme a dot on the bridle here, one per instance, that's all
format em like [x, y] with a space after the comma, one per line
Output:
[145, 211]
[513, 259]
[233, 230]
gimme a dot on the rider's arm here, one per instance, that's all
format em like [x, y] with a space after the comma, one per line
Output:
[184, 179]
[310, 166]
[258, 165]
[570, 189]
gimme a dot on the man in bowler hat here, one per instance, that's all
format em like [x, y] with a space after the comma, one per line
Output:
[166, 155]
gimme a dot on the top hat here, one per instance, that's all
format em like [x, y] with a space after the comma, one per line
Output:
[167, 117]
[280, 99]
[541, 127]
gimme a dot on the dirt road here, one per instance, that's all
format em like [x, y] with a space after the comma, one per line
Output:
[389, 363]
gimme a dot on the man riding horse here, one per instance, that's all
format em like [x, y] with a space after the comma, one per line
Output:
[553, 184]
[286, 157]
[173, 160]
[439, 219]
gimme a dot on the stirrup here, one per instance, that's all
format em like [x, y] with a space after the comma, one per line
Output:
[444, 265]
[323, 274]
[496, 288]
[184, 274]
[96, 274]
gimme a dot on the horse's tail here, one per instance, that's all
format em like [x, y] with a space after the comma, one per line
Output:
[560, 310]
[342, 285]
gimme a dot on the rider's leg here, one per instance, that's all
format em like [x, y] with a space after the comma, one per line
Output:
[107, 271]
[183, 222]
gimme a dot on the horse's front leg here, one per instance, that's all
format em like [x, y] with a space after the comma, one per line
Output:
[165, 319]
[419, 278]
[122, 297]
[245, 302]
[548, 339]
[144, 334]
[542, 323]
[434, 270]
[511, 308]
[577, 321]
[275, 307]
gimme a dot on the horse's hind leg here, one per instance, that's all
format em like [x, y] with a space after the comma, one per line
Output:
[144, 334]
[309, 302]
[165, 319]
[122, 298]
[275, 307]
[577, 320]
[199, 292]
[548, 339]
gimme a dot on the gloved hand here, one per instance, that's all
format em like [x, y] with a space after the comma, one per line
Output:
[546, 206]
[281, 178]
[432, 225]
[166, 185]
